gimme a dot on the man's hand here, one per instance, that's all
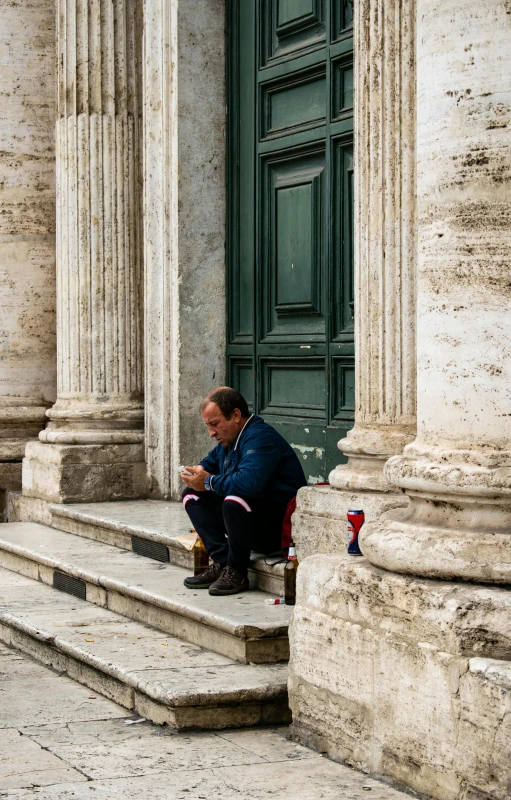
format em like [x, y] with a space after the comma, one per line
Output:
[195, 480]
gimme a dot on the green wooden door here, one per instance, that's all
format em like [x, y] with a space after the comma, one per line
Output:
[290, 344]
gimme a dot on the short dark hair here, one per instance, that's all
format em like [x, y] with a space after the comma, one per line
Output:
[227, 400]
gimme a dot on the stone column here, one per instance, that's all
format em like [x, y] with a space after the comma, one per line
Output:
[92, 448]
[457, 473]
[385, 263]
[425, 696]
[27, 231]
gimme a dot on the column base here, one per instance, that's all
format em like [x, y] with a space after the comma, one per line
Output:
[458, 522]
[400, 543]
[368, 447]
[84, 473]
[319, 522]
[405, 678]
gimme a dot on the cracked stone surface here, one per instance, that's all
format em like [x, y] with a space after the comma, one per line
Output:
[61, 741]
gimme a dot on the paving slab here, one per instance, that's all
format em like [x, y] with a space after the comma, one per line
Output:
[240, 626]
[35, 695]
[24, 764]
[153, 762]
[154, 755]
[270, 744]
[316, 779]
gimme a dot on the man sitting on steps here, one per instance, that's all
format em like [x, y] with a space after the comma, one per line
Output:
[237, 496]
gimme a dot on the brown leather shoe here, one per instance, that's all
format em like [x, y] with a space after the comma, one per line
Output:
[206, 578]
[230, 582]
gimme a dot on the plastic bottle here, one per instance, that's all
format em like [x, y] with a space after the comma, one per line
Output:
[200, 557]
[290, 571]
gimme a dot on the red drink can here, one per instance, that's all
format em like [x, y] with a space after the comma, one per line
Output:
[356, 518]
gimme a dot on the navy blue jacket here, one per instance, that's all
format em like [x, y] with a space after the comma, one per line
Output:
[260, 464]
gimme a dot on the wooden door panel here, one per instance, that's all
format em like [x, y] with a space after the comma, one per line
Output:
[241, 58]
[292, 243]
[342, 18]
[241, 371]
[342, 88]
[308, 439]
[342, 290]
[293, 387]
[293, 103]
[290, 27]
[293, 399]
[343, 388]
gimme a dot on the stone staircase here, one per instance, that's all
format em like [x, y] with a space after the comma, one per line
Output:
[99, 594]
[155, 522]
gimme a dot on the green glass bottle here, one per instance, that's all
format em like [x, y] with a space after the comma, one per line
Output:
[200, 557]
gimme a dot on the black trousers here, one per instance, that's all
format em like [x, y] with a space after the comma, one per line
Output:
[231, 527]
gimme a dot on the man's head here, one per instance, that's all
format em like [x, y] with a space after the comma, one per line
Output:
[225, 412]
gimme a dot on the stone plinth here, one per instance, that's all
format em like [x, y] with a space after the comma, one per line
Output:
[319, 522]
[85, 473]
[458, 471]
[405, 678]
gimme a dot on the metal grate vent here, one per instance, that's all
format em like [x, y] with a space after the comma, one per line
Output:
[70, 585]
[144, 547]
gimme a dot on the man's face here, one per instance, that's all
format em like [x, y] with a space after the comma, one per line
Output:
[224, 431]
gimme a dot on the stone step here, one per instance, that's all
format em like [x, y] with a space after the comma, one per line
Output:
[154, 521]
[241, 627]
[160, 677]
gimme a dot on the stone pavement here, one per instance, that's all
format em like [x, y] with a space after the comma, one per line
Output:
[61, 741]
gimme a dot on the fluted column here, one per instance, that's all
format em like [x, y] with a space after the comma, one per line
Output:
[457, 473]
[384, 245]
[99, 274]
[27, 231]
[385, 263]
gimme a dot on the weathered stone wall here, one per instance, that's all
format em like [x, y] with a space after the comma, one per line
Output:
[27, 229]
[184, 219]
[27, 200]
[201, 131]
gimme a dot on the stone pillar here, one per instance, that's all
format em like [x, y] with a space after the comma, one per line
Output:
[92, 448]
[458, 471]
[385, 264]
[27, 231]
